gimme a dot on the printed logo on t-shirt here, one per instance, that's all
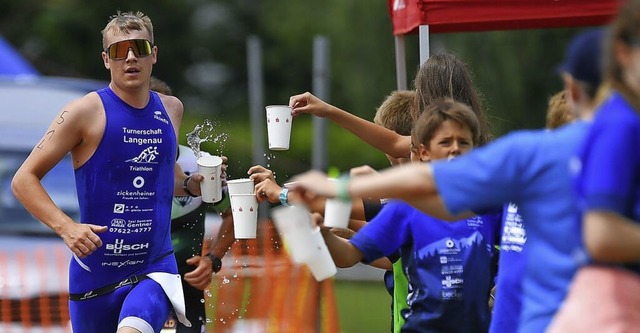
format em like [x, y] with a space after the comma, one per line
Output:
[134, 226]
[118, 246]
[122, 208]
[118, 208]
[157, 115]
[142, 137]
[123, 263]
[514, 235]
[135, 194]
[147, 155]
[138, 182]
[118, 223]
[475, 222]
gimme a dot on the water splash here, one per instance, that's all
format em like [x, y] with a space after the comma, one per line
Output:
[206, 133]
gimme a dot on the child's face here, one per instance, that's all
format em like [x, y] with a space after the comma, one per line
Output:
[450, 140]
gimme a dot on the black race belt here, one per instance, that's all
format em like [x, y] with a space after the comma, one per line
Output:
[108, 288]
[112, 287]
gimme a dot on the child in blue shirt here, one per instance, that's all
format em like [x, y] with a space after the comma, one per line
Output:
[608, 180]
[528, 168]
[449, 266]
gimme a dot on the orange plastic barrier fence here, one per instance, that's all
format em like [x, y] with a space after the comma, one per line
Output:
[34, 290]
[259, 289]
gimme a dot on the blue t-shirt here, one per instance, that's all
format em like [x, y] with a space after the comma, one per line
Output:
[530, 169]
[508, 302]
[448, 265]
[609, 177]
[127, 185]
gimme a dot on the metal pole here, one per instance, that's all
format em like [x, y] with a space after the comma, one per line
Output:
[321, 90]
[423, 32]
[401, 63]
[256, 108]
[256, 98]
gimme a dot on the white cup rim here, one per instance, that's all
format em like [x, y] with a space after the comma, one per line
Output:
[239, 180]
[242, 194]
[277, 106]
[213, 160]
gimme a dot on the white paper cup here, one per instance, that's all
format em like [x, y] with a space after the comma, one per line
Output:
[321, 263]
[279, 120]
[244, 208]
[337, 213]
[294, 226]
[211, 168]
[241, 186]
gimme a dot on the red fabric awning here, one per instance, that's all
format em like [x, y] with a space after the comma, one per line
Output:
[482, 15]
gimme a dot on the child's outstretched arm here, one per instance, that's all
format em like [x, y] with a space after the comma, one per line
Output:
[344, 254]
[377, 136]
[412, 183]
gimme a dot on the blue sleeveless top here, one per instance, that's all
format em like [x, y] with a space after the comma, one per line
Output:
[127, 185]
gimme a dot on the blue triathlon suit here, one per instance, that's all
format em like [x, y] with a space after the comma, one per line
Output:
[532, 170]
[127, 185]
[448, 265]
[508, 299]
[609, 178]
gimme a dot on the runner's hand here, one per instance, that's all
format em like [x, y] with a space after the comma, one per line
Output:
[82, 238]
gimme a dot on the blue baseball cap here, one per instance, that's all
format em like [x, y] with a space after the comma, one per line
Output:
[583, 58]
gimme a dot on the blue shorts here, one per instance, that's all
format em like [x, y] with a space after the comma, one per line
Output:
[143, 306]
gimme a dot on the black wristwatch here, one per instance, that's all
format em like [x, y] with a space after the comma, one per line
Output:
[216, 263]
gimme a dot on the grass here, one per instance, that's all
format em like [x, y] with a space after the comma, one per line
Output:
[363, 306]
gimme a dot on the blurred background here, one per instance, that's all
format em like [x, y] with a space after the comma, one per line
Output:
[203, 52]
[203, 56]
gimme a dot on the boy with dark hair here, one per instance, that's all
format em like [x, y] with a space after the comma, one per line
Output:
[448, 265]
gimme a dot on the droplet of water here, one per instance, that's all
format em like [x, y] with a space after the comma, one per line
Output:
[205, 133]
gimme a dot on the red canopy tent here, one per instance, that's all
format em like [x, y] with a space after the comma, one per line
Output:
[437, 16]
